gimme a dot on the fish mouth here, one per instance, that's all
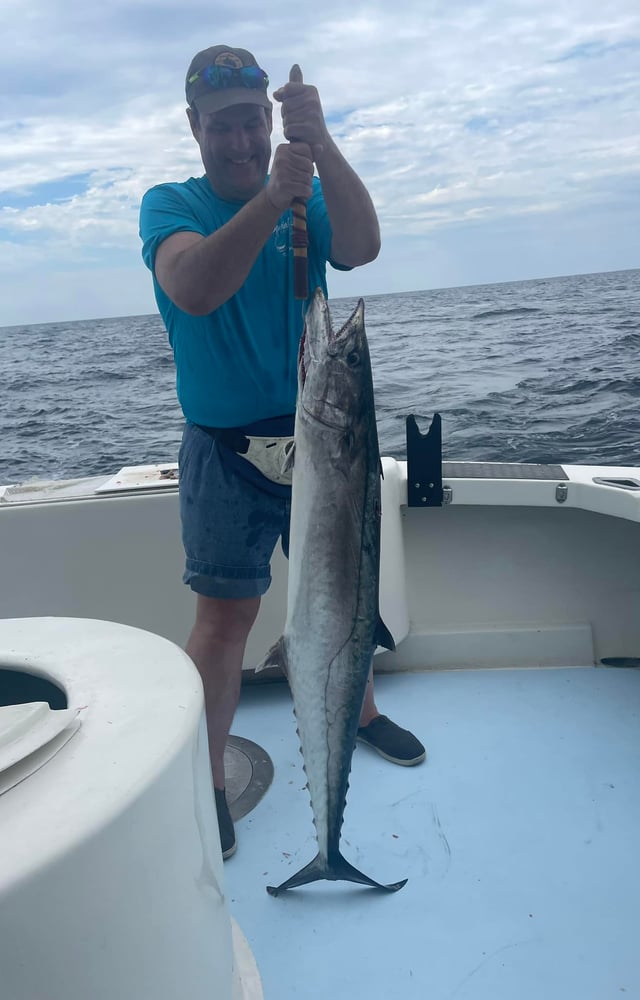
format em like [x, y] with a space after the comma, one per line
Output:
[324, 395]
[319, 337]
[320, 408]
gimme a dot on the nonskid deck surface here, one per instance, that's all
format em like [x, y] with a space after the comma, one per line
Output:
[518, 835]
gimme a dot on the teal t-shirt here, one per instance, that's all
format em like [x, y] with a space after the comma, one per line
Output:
[238, 364]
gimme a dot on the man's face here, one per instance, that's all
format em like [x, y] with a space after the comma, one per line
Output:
[235, 146]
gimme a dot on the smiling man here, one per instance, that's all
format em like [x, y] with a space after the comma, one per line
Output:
[220, 251]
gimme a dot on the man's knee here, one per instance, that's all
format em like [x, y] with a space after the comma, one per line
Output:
[226, 620]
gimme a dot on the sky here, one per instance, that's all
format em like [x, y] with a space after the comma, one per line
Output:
[500, 140]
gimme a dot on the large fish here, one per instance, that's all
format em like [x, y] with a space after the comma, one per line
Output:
[333, 623]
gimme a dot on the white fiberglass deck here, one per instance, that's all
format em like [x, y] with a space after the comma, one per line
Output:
[519, 836]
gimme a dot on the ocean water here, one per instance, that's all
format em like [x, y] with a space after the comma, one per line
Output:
[529, 371]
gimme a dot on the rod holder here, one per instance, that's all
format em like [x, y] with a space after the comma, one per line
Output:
[424, 464]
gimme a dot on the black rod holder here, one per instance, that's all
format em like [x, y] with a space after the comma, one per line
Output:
[424, 463]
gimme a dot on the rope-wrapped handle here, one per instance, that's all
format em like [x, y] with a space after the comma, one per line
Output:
[300, 238]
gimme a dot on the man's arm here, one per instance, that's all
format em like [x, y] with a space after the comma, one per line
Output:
[354, 224]
[200, 273]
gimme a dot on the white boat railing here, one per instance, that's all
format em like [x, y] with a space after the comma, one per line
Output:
[518, 570]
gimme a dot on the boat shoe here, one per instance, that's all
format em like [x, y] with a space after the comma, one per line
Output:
[391, 742]
[225, 824]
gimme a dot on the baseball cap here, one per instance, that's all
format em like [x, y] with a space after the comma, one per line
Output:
[221, 76]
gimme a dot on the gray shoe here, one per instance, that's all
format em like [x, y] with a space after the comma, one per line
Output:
[391, 742]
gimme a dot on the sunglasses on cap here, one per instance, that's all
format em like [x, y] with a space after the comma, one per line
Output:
[223, 77]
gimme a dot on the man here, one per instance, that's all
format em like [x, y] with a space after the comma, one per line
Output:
[219, 250]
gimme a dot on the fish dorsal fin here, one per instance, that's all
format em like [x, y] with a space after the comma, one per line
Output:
[382, 636]
[276, 657]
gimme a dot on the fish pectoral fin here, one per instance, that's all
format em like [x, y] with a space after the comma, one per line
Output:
[338, 869]
[276, 657]
[382, 636]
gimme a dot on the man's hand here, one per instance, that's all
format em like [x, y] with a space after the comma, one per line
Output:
[291, 175]
[302, 115]
[355, 232]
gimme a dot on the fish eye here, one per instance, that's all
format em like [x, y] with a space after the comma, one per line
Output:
[353, 358]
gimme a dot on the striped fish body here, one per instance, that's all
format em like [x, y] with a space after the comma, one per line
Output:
[333, 624]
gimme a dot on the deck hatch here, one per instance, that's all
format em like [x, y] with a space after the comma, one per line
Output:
[248, 773]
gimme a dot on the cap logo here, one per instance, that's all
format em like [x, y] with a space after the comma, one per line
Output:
[228, 59]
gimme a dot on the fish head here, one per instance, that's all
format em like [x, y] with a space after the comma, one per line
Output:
[334, 368]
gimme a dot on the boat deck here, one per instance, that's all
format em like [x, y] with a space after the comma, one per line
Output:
[519, 837]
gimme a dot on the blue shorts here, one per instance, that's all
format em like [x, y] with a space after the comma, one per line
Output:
[230, 527]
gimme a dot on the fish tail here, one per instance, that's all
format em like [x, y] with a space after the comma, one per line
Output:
[313, 872]
[343, 870]
[336, 869]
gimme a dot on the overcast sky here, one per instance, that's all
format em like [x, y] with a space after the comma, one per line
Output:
[500, 140]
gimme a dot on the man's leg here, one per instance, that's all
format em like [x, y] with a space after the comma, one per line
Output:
[386, 737]
[216, 646]
[369, 708]
[229, 531]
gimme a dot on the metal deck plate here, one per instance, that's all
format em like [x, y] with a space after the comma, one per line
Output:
[502, 470]
[248, 773]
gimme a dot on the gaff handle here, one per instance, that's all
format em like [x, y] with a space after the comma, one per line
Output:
[300, 236]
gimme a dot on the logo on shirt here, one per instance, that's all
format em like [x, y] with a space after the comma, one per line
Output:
[281, 235]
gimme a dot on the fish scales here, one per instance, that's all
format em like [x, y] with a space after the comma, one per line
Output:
[333, 624]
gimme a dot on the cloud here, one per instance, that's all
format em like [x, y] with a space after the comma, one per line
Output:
[473, 114]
